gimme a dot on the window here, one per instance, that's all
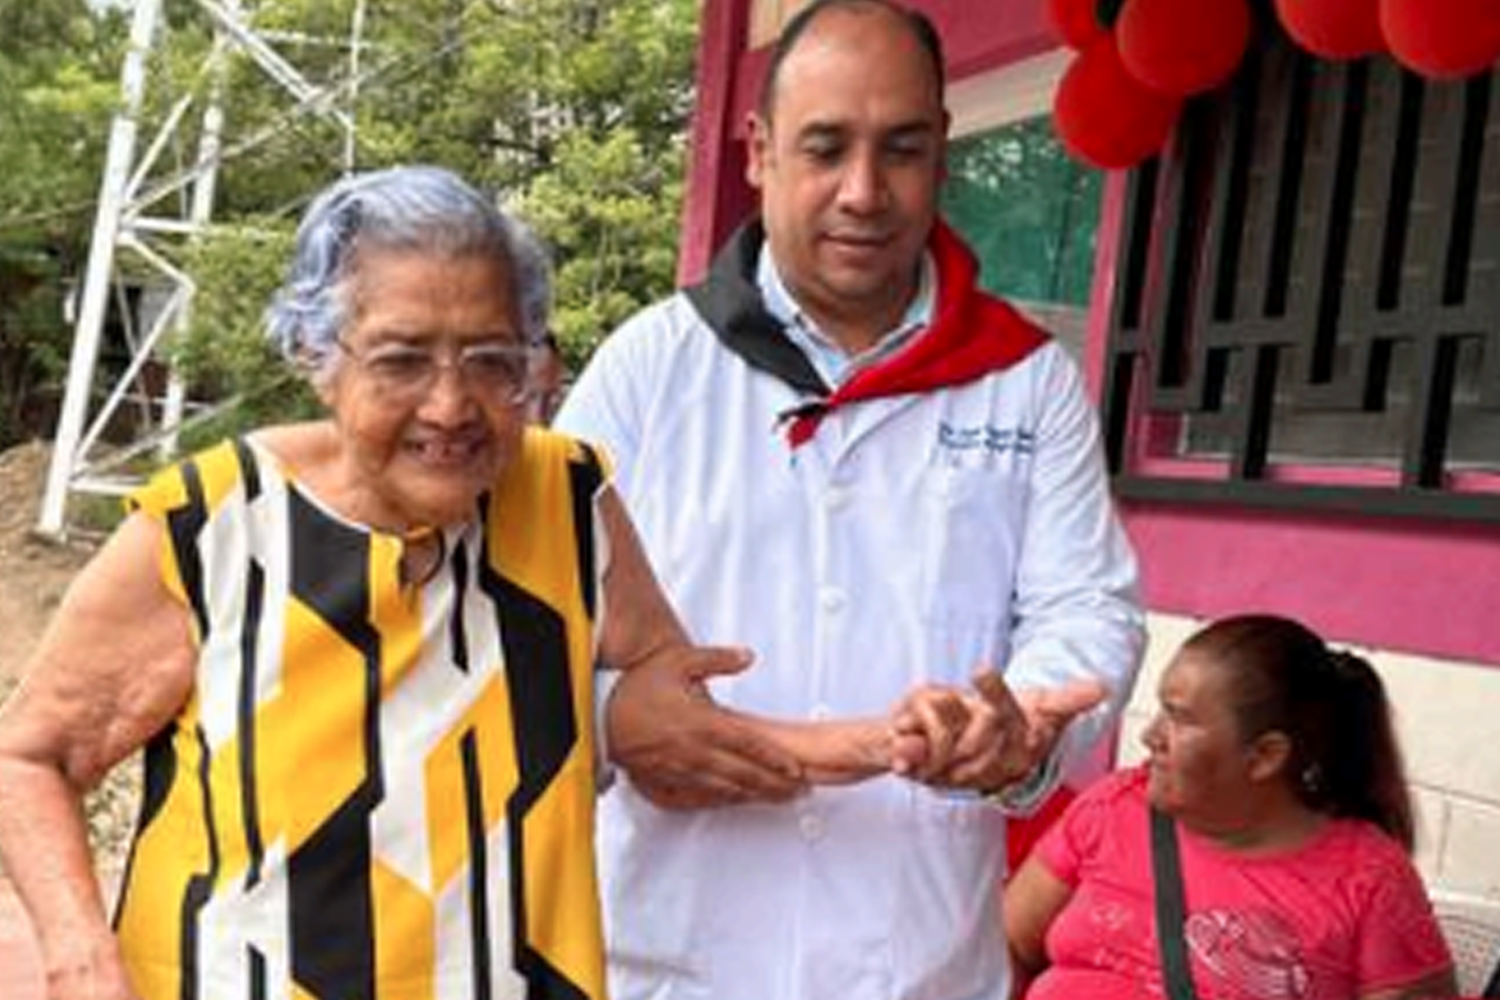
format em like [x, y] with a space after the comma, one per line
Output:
[1029, 211]
[1307, 310]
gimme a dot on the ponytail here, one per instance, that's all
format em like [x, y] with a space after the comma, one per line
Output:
[1353, 767]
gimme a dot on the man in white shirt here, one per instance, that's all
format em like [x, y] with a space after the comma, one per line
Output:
[844, 455]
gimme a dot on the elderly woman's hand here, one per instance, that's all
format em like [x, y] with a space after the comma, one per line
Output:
[929, 722]
[986, 737]
[680, 749]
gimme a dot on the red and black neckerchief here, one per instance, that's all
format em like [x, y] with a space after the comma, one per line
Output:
[972, 333]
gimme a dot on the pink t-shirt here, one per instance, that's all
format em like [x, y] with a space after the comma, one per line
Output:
[1344, 915]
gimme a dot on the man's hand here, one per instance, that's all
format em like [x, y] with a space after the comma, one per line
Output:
[1049, 710]
[680, 749]
[984, 738]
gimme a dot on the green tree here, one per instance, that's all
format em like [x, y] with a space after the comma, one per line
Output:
[540, 101]
[575, 112]
[59, 63]
[572, 111]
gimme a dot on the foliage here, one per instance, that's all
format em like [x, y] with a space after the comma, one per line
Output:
[223, 353]
[572, 111]
[604, 202]
[31, 353]
[58, 65]
[574, 141]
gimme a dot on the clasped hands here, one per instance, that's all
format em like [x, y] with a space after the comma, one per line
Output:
[683, 751]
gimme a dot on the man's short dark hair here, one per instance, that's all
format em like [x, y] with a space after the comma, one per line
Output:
[922, 29]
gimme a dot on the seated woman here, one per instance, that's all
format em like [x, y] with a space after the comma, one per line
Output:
[1275, 756]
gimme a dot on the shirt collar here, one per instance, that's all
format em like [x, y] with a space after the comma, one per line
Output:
[826, 356]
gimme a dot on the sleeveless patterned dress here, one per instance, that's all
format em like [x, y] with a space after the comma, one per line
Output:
[376, 790]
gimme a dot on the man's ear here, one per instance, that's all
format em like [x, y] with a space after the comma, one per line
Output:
[757, 148]
[1269, 755]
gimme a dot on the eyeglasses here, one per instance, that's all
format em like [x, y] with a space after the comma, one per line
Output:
[501, 373]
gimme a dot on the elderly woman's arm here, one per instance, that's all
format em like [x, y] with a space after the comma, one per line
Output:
[1033, 899]
[679, 748]
[113, 668]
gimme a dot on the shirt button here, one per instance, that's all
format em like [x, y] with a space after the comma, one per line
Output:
[837, 498]
[831, 600]
[810, 825]
[820, 713]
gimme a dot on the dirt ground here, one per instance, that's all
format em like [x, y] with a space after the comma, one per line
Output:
[33, 575]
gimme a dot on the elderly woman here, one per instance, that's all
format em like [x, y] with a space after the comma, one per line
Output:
[359, 654]
[1276, 758]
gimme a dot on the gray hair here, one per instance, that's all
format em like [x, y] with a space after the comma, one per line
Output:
[401, 208]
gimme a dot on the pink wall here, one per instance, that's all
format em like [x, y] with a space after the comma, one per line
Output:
[1420, 588]
[1430, 589]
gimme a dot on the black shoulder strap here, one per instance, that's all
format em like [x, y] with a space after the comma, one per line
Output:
[1170, 909]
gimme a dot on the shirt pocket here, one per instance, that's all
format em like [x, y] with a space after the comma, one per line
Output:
[973, 526]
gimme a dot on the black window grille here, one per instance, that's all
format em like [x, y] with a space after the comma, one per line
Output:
[1307, 302]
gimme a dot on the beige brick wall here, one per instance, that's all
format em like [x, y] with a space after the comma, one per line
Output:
[1448, 721]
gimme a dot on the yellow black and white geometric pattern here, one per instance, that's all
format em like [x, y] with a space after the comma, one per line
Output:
[377, 791]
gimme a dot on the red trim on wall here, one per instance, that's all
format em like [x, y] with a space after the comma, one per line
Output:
[717, 195]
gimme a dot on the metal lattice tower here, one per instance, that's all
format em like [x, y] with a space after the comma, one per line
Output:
[134, 218]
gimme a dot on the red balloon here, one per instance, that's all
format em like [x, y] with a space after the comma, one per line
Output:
[1075, 21]
[1104, 116]
[1183, 47]
[1334, 29]
[1443, 38]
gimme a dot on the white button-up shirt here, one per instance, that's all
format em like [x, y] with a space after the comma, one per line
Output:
[911, 539]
